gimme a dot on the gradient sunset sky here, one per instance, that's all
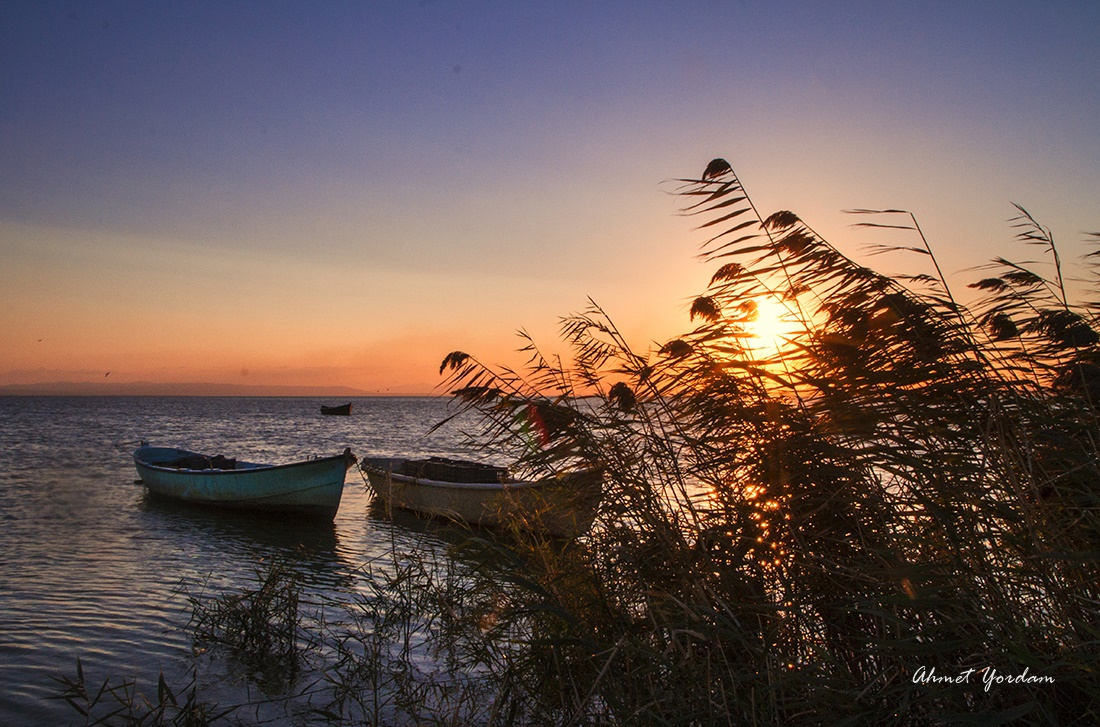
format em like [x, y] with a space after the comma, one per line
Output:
[340, 193]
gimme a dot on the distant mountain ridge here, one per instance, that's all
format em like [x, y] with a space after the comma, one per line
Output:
[148, 388]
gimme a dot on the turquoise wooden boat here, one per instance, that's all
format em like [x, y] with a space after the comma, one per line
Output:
[310, 488]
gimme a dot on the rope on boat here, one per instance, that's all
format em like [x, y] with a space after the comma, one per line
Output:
[363, 476]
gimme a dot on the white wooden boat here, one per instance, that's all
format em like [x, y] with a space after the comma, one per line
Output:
[562, 506]
[310, 488]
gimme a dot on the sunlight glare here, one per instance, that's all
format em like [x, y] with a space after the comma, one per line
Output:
[773, 326]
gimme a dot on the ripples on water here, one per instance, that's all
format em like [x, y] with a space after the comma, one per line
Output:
[91, 567]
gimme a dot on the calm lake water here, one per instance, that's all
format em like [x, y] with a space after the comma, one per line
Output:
[91, 567]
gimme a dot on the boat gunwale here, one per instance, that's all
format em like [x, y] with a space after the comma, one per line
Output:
[250, 468]
[513, 484]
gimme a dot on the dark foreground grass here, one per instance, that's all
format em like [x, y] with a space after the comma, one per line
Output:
[119, 702]
[887, 516]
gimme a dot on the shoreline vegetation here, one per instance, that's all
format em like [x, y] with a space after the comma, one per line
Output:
[804, 530]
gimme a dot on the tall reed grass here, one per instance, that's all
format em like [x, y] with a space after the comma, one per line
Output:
[872, 520]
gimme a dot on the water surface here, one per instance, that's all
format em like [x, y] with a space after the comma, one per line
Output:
[92, 567]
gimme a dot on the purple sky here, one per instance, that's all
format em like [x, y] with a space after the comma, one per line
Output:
[341, 193]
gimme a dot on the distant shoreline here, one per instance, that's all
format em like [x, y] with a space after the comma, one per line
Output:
[145, 388]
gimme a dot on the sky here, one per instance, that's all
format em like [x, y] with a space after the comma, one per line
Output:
[338, 194]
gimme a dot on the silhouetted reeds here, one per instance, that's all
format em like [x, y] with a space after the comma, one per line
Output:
[260, 628]
[118, 702]
[802, 530]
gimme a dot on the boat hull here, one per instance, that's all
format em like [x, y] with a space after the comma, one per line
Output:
[342, 410]
[311, 488]
[563, 506]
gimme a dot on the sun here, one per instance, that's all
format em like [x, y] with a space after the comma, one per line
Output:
[773, 326]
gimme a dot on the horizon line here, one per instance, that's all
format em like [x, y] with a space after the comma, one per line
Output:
[199, 389]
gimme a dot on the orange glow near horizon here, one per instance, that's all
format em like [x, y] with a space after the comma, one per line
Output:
[166, 312]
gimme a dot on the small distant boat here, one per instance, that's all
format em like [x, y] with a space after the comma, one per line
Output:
[563, 506]
[310, 488]
[341, 410]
